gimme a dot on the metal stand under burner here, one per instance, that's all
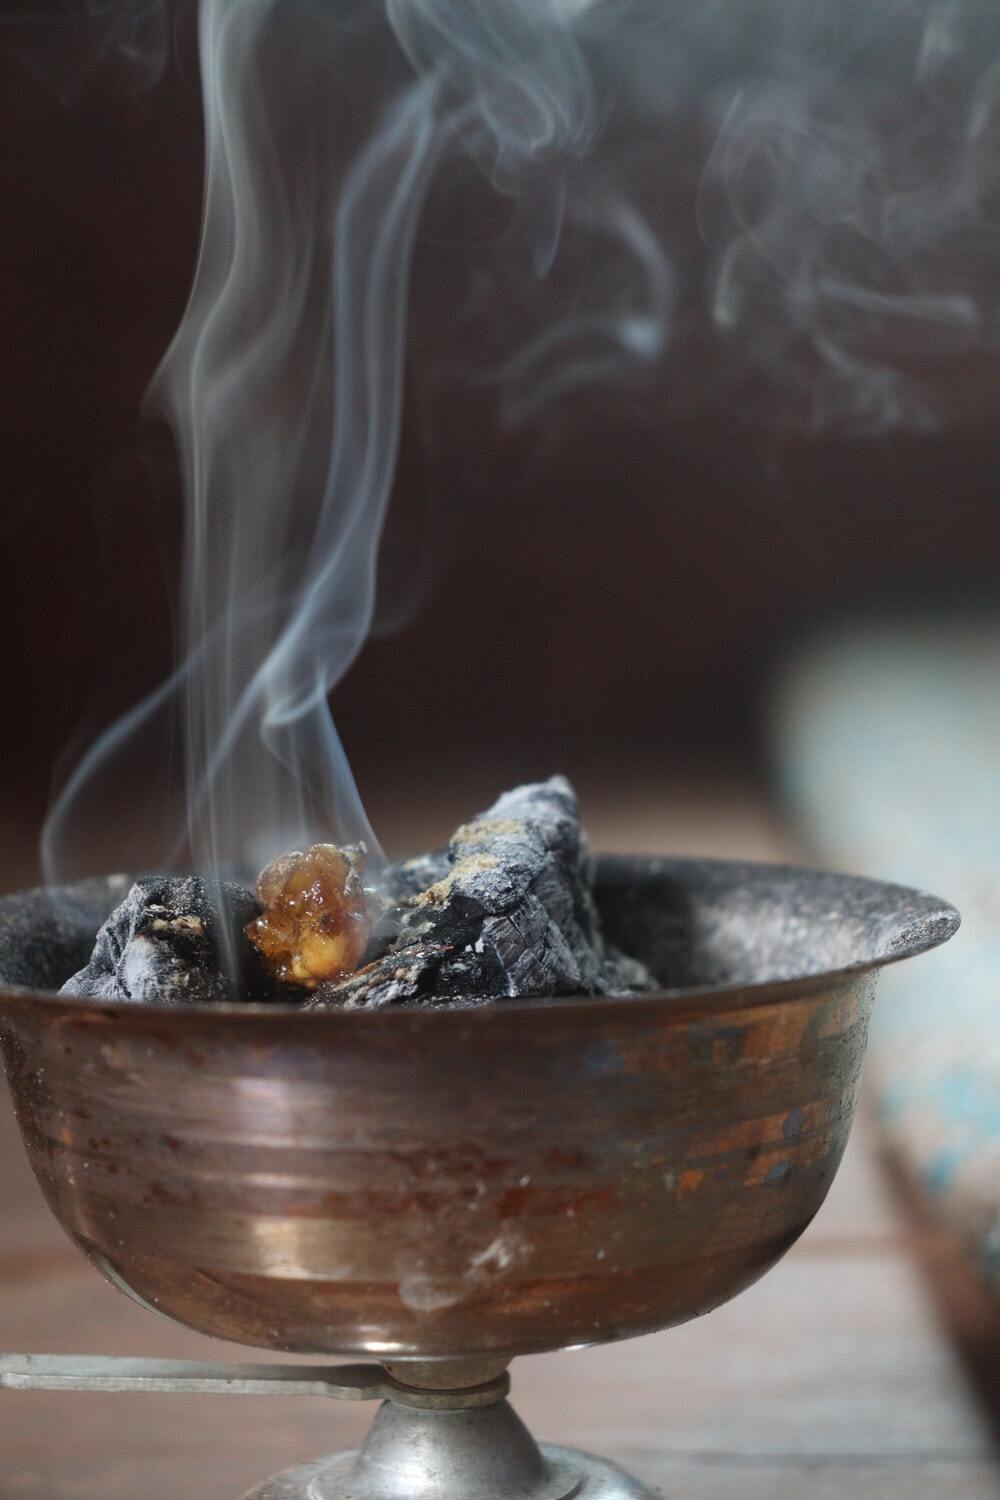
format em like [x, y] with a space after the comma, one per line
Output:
[485, 1454]
[428, 1441]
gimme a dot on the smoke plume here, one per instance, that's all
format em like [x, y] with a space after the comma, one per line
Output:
[809, 190]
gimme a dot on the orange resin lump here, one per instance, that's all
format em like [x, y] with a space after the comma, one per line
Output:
[315, 923]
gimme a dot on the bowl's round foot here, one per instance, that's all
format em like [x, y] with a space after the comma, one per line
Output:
[570, 1475]
[479, 1453]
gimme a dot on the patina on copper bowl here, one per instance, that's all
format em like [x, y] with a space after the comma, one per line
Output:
[464, 1183]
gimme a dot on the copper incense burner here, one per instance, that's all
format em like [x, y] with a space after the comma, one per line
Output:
[442, 1190]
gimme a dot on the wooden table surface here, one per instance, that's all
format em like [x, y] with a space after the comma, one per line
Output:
[831, 1377]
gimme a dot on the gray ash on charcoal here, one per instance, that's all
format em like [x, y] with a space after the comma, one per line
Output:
[173, 940]
[506, 912]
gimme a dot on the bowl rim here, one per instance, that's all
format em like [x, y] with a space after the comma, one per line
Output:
[932, 922]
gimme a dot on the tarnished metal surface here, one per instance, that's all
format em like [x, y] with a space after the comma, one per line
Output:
[469, 1183]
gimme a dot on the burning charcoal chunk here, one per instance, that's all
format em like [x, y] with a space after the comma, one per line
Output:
[315, 924]
[507, 912]
[169, 942]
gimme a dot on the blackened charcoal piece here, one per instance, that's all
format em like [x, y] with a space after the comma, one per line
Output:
[409, 877]
[165, 944]
[508, 912]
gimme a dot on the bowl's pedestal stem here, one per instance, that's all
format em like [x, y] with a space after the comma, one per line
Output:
[483, 1453]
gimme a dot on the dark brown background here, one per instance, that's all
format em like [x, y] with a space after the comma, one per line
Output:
[610, 589]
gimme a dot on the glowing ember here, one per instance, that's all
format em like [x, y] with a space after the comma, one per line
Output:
[315, 924]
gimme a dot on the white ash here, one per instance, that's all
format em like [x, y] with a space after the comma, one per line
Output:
[175, 940]
[506, 912]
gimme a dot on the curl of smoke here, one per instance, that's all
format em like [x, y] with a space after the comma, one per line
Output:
[67, 44]
[851, 200]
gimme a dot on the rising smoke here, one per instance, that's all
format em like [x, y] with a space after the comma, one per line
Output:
[844, 157]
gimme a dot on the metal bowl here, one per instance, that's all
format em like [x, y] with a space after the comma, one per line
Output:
[464, 1183]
